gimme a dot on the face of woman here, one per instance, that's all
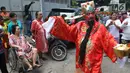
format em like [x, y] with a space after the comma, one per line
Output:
[114, 16]
[17, 30]
[40, 15]
[14, 18]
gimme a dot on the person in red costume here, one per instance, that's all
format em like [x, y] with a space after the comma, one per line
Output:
[91, 38]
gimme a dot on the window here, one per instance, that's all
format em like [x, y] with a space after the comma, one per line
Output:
[52, 1]
[66, 1]
[46, 0]
[57, 1]
[61, 2]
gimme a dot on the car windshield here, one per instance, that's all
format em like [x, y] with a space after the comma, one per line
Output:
[58, 12]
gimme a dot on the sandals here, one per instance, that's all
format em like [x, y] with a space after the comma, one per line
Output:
[30, 69]
[36, 65]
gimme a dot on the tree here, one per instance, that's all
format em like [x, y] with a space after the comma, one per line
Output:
[74, 3]
[102, 2]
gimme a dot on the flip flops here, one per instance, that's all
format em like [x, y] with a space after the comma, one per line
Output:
[36, 65]
[30, 69]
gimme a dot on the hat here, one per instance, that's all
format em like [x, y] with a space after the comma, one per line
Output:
[88, 6]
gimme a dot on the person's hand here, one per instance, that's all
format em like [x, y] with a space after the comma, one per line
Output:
[32, 2]
[111, 23]
[126, 23]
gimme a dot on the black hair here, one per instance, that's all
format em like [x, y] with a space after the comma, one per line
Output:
[14, 29]
[124, 13]
[96, 17]
[36, 14]
[102, 9]
[113, 13]
[84, 42]
[64, 15]
[11, 15]
[2, 8]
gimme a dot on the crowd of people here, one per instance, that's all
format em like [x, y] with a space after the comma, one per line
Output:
[12, 35]
[98, 32]
[118, 25]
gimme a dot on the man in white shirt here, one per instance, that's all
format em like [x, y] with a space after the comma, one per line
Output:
[128, 13]
[125, 34]
[126, 29]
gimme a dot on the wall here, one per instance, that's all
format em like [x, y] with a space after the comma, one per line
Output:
[17, 6]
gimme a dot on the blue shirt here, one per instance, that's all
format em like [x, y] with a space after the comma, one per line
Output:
[11, 24]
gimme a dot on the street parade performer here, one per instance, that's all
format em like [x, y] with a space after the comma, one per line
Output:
[91, 38]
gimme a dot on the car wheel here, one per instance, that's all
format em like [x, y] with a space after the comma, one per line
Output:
[58, 52]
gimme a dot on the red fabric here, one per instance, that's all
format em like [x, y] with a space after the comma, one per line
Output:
[99, 42]
[39, 36]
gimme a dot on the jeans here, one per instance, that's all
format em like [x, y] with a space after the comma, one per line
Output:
[28, 27]
[3, 63]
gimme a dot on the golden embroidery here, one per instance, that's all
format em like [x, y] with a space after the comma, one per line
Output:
[106, 39]
[87, 64]
[89, 46]
[83, 28]
[78, 70]
[80, 41]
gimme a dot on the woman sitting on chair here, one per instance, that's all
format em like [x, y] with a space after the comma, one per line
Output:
[25, 50]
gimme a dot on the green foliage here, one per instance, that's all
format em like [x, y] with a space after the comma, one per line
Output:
[102, 2]
[74, 3]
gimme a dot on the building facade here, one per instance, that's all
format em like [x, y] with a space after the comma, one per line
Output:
[47, 5]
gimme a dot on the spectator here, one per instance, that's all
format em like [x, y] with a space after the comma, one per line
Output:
[125, 26]
[4, 13]
[25, 50]
[28, 19]
[5, 37]
[105, 18]
[113, 26]
[126, 33]
[38, 34]
[2, 55]
[5, 16]
[14, 21]
[128, 13]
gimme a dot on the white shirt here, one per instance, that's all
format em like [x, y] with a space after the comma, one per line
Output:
[126, 29]
[113, 29]
[128, 13]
